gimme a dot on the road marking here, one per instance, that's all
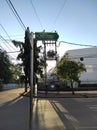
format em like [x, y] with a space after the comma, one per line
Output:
[93, 107]
[87, 100]
[87, 128]
[14, 101]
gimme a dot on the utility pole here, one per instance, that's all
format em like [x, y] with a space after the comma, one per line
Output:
[48, 38]
[45, 68]
[31, 79]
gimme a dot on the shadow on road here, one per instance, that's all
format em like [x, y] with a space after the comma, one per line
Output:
[14, 114]
[75, 113]
[69, 121]
[49, 114]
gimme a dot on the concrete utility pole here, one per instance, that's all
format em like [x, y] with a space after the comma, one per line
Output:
[45, 67]
[31, 79]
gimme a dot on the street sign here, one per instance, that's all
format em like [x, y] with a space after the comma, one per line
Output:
[46, 36]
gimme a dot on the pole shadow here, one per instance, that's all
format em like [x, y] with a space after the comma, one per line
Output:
[14, 114]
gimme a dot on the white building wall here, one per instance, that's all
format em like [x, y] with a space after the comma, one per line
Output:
[89, 60]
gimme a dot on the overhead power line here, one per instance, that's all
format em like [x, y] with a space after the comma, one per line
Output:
[77, 44]
[5, 42]
[13, 51]
[16, 14]
[1, 47]
[17, 36]
[5, 45]
[7, 36]
[59, 13]
[36, 14]
[5, 32]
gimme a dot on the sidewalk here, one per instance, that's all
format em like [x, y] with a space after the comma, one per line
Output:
[67, 94]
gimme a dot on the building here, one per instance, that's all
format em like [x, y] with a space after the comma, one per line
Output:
[88, 56]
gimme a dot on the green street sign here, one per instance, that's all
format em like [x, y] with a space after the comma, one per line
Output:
[46, 36]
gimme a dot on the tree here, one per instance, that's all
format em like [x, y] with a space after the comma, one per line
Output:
[38, 63]
[70, 70]
[24, 55]
[38, 60]
[16, 70]
[5, 67]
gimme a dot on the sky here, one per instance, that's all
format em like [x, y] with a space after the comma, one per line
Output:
[74, 20]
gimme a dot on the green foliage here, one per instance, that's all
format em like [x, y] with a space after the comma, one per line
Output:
[16, 72]
[5, 67]
[38, 60]
[24, 55]
[70, 70]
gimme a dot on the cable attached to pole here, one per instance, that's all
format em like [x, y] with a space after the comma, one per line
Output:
[16, 14]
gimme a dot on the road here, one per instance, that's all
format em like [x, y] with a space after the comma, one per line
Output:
[14, 110]
[66, 114]
[48, 114]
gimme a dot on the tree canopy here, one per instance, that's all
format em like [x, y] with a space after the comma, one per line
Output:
[8, 71]
[70, 70]
[24, 55]
[5, 67]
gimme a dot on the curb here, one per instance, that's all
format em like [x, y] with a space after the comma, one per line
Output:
[66, 95]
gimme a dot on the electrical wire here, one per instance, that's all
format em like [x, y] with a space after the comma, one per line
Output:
[59, 13]
[16, 14]
[5, 42]
[76, 44]
[36, 14]
[2, 48]
[20, 36]
[7, 36]
[16, 35]
[5, 31]
[85, 56]
[11, 56]
[13, 51]
[19, 21]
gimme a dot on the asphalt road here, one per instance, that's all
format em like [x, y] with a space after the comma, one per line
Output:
[48, 114]
[14, 110]
[65, 114]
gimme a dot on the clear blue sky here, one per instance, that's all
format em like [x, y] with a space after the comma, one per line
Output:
[74, 20]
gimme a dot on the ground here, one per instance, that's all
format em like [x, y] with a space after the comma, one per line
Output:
[78, 112]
